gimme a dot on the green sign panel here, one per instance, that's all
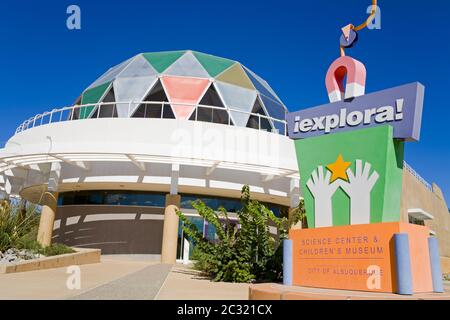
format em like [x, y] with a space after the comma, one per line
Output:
[351, 177]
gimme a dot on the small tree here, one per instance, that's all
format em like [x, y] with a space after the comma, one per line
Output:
[299, 215]
[243, 252]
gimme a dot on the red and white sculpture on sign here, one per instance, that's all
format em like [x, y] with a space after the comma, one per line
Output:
[355, 85]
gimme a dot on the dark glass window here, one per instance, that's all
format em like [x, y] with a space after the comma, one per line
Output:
[151, 199]
[112, 198]
[231, 205]
[413, 220]
[256, 122]
[154, 109]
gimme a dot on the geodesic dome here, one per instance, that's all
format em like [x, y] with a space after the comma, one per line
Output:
[184, 81]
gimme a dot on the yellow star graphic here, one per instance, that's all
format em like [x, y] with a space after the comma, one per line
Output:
[338, 169]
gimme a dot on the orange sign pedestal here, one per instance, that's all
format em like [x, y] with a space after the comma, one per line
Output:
[359, 257]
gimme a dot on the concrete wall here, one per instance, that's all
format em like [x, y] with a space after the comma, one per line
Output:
[445, 265]
[212, 157]
[417, 195]
[113, 229]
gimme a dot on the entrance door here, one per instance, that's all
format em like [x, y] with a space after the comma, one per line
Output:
[185, 244]
[186, 247]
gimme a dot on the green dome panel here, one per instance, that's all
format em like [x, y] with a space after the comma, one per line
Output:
[162, 60]
[93, 95]
[214, 65]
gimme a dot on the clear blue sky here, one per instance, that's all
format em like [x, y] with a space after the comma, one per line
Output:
[289, 43]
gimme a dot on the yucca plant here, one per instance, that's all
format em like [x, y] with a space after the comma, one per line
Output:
[17, 230]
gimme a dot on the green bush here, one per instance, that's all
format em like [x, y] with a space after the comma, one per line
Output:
[242, 254]
[56, 249]
[18, 229]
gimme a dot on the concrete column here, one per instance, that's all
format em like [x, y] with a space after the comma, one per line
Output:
[47, 220]
[435, 263]
[170, 230]
[403, 264]
[288, 262]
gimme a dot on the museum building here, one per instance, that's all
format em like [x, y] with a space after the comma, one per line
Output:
[155, 133]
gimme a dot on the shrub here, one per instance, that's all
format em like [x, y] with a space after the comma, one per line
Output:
[56, 249]
[241, 254]
[18, 229]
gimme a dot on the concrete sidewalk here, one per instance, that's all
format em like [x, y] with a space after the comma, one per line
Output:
[120, 277]
[51, 283]
[141, 285]
[184, 283]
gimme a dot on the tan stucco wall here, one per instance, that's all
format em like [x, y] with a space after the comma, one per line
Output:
[416, 195]
[445, 265]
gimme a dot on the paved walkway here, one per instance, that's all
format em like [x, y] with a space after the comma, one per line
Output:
[120, 277]
[141, 285]
[183, 283]
[136, 277]
[51, 283]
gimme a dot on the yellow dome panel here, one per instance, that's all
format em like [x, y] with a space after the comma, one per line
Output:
[237, 76]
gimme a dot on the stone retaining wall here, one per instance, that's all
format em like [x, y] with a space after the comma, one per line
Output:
[81, 256]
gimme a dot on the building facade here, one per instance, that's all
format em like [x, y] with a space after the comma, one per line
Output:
[153, 134]
[159, 129]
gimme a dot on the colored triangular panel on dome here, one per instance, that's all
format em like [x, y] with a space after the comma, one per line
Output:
[276, 111]
[184, 94]
[187, 66]
[109, 75]
[139, 67]
[239, 100]
[162, 60]
[93, 96]
[214, 65]
[106, 110]
[236, 75]
[281, 127]
[131, 89]
[261, 85]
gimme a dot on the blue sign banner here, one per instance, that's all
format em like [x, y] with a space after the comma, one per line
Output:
[400, 107]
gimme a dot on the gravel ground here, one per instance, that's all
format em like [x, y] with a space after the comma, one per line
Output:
[14, 255]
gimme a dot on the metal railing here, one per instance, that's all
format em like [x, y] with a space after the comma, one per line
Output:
[151, 109]
[417, 176]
